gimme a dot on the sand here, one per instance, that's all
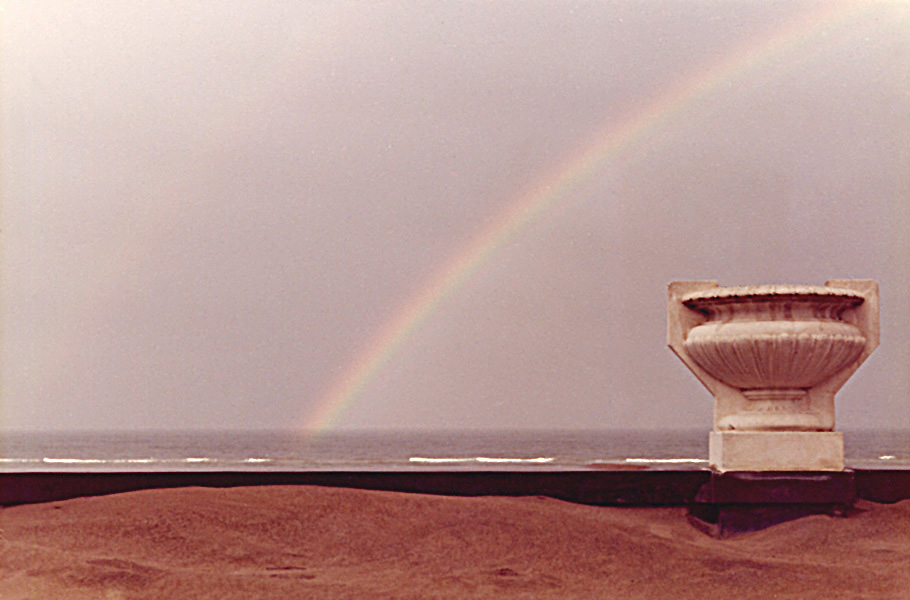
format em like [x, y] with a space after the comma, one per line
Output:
[312, 542]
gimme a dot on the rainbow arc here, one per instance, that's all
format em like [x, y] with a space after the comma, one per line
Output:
[824, 23]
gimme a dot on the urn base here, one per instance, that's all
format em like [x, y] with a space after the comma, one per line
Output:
[776, 451]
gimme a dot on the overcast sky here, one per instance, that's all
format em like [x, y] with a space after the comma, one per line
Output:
[210, 210]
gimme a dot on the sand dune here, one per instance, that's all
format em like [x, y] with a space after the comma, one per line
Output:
[311, 542]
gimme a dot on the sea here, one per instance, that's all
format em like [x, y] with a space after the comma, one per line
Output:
[159, 451]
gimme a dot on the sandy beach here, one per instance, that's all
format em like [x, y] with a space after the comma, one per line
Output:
[313, 542]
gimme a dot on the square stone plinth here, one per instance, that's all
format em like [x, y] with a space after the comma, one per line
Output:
[776, 451]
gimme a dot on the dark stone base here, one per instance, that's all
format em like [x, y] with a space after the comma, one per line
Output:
[739, 501]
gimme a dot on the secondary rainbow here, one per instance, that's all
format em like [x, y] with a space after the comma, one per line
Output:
[612, 141]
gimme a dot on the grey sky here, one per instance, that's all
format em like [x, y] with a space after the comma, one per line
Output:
[209, 208]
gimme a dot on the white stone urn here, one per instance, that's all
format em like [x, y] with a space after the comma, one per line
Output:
[773, 356]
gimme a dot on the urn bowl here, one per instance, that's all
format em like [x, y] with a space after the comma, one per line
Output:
[774, 341]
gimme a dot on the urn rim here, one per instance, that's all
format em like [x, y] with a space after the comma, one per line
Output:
[771, 293]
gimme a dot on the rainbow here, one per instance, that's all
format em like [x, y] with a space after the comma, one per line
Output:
[614, 140]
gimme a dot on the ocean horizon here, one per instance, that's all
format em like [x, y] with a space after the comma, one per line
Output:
[389, 450]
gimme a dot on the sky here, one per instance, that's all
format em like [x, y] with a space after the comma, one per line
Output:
[431, 215]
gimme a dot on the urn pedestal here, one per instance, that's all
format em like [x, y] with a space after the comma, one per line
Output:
[773, 356]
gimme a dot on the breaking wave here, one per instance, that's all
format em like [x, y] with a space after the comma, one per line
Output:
[481, 459]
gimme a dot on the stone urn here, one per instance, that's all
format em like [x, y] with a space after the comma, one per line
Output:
[773, 356]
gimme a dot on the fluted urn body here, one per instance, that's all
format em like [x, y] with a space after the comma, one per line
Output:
[774, 342]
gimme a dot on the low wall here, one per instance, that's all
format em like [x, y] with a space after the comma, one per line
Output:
[641, 488]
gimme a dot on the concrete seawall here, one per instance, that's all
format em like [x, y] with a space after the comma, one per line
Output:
[617, 488]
